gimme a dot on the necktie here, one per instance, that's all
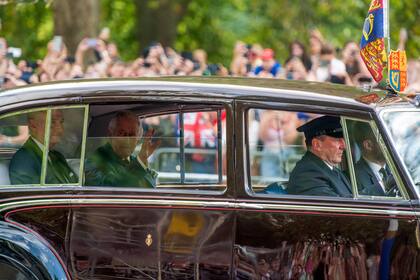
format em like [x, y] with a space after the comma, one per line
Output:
[384, 173]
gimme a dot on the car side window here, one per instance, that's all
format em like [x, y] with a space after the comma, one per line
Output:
[297, 153]
[41, 147]
[65, 143]
[156, 147]
[372, 172]
[16, 149]
[274, 148]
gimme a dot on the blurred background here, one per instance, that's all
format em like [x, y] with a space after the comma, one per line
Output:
[111, 38]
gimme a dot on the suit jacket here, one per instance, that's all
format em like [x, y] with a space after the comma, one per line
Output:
[25, 166]
[311, 176]
[105, 168]
[367, 183]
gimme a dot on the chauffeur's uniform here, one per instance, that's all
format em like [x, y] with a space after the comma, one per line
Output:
[105, 168]
[25, 166]
[312, 176]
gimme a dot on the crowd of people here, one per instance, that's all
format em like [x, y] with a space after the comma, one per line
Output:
[99, 58]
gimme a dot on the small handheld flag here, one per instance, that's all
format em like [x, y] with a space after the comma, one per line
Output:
[372, 44]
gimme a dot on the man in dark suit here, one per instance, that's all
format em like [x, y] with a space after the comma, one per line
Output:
[370, 171]
[114, 163]
[316, 173]
[26, 164]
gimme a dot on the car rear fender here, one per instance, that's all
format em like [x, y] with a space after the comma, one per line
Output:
[24, 253]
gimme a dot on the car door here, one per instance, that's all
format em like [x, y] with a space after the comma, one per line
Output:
[284, 236]
[182, 228]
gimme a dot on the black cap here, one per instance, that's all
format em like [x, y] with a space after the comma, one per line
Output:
[325, 125]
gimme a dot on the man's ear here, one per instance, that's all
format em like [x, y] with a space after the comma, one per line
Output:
[367, 145]
[316, 144]
[31, 124]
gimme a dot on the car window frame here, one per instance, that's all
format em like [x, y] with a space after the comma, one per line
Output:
[198, 104]
[216, 109]
[247, 105]
[47, 129]
[83, 143]
[385, 152]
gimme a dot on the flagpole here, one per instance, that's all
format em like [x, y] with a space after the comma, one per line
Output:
[387, 27]
[388, 38]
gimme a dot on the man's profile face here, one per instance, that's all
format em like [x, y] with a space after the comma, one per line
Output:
[37, 127]
[372, 151]
[330, 149]
[57, 127]
[125, 136]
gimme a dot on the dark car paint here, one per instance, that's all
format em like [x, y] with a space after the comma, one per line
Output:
[29, 254]
[96, 232]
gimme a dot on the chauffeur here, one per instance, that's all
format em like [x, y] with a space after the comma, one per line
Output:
[316, 173]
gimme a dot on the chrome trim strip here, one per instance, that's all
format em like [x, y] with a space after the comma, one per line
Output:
[45, 148]
[84, 139]
[350, 165]
[338, 210]
[128, 202]
[202, 204]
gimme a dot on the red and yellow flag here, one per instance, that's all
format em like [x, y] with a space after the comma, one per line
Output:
[397, 70]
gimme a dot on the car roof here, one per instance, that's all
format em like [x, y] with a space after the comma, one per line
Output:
[217, 87]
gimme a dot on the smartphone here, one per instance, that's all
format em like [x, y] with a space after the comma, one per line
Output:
[14, 52]
[57, 43]
[91, 42]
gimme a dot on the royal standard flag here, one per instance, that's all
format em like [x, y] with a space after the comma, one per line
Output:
[372, 44]
[397, 70]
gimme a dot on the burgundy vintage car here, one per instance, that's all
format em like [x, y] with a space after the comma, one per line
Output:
[216, 202]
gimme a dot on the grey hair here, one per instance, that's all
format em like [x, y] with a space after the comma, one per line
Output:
[123, 114]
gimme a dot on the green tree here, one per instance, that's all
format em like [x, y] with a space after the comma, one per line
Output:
[211, 25]
[28, 26]
[75, 20]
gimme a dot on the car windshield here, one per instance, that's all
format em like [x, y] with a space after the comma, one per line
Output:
[405, 131]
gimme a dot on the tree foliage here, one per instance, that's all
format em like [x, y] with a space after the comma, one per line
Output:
[215, 25]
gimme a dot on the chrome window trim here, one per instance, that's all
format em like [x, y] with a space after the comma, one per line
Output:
[350, 165]
[45, 150]
[83, 151]
[280, 107]
[83, 142]
[209, 106]
[390, 138]
[201, 205]
[15, 113]
[114, 201]
[388, 159]
[47, 131]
